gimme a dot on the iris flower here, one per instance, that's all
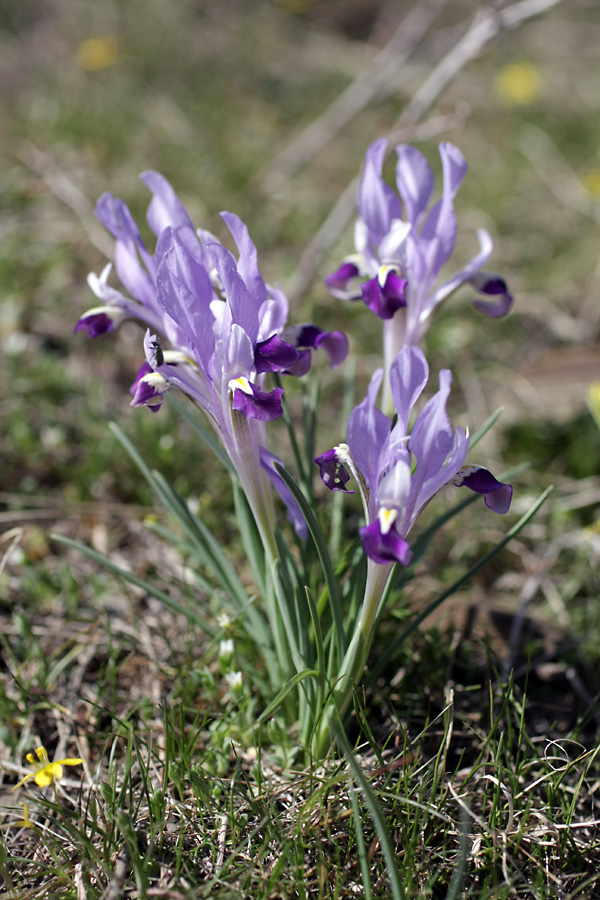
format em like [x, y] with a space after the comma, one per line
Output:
[402, 245]
[46, 772]
[215, 330]
[398, 472]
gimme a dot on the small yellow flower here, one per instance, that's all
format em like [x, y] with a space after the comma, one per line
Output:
[46, 772]
[25, 822]
[591, 181]
[518, 83]
[98, 53]
[593, 400]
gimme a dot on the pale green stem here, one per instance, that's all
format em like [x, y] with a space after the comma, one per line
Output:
[355, 659]
[257, 488]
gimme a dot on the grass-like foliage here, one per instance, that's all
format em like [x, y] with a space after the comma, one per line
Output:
[243, 644]
[313, 618]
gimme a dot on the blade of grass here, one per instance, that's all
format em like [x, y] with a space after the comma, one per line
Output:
[360, 844]
[321, 547]
[376, 815]
[277, 701]
[196, 422]
[483, 429]
[146, 586]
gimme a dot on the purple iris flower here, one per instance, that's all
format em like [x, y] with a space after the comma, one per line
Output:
[399, 472]
[173, 290]
[402, 245]
[215, 328]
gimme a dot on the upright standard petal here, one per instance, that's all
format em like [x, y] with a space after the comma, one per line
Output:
[377, 204]
[368, 429]
[415, 180]
[409, 374]
[247, 265]
[165, 209]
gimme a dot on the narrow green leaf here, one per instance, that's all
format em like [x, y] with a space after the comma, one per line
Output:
[206, 547]
[376, 815]
[289, 424]
[286, 607]
[138, 582]
[360, 844]
[251, 539]
[321, 546]
[483, 430]
[292, 580]
[338, 499]
[197, 422]
[310, 409]
[318, 642]
[277, 701]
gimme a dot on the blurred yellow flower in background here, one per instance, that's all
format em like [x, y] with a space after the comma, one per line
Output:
[97, 53]
[46, 772]
[591, 181]
[593, 400]
[518, 83]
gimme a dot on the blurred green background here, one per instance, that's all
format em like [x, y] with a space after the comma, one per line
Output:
[213, 95]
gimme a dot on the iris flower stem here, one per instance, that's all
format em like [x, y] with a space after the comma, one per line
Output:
[355, 659]
[258, 492]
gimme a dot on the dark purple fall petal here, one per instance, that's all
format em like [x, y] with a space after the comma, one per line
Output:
[335, 344]
[334, 474]
[385, 548]
[301, 366]
[96, 323]
[148, 389]
[384, 301]
[144, 369]
[497, 495]
[492, 286]
[261, 405]
[341, 278]
[274, 355]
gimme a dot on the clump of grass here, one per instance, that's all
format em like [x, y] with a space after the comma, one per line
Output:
[180, 795]
[484, 786]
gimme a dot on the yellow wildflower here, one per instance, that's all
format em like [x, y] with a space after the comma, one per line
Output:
[98, 53]
[46, 772]
[591, 181]
[518, 83]
[593, 400]
[25, 822]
